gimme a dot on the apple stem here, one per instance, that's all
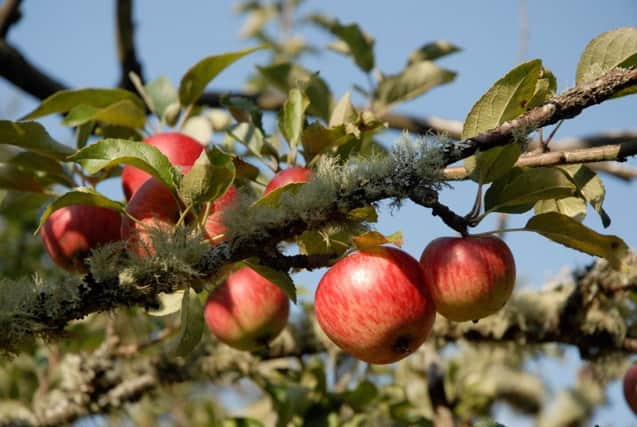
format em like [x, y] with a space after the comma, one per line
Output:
[183, 215]
[428, 198]
[500, 231]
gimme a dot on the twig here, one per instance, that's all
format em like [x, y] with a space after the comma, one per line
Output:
[126, 44]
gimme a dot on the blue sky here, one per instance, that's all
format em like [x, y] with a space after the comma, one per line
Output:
[73, 40]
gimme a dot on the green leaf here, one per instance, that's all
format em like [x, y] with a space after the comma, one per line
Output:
[359, 45]
[291, 119]
[545, 88]
[590, 187]
[286, 76]
[66, 100]
[244, 110]
[210, 177]
[123, 113]
[203, 72]
[408, 414]
[489, 165]
[343, 112]
[80, 196]
[371, 239]
[524, 187]
[507, 99]
[170, 303]
[191, 326]
[32, 136]
[288, 401]
[83, 133]
[280, 278]
[562, 229]
[16, 178]
[573, 207]
[616, 48]
[366, 214]
[17, 204]
[432, 51]
[324, 242]
[318, 139]
[46, 167]
[111, 152]
[161, 93]
[410, 83]
[250, 136]
[273, 198]
[363, 395]
[241, 422]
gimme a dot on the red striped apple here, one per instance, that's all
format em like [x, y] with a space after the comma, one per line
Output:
[374, 304]
[180, 149]
[288, 176]
[469, 277]
[630, 388]
[214, 227]
[246, 311]
[70, 233]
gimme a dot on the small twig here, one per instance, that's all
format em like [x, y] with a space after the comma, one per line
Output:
[125, 37]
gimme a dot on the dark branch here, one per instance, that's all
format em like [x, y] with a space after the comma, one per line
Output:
[9, 15]
[126, 44]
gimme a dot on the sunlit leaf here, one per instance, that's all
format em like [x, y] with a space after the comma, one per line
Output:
[343, 112]
[292, 117]
[210, 177]
[591, 188]
[573, 207]
[562, 229]
[489, 165]
[123, 113]
[371, 239]
[161, 93]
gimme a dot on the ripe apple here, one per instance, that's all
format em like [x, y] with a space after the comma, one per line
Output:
[180, 149]
[70, 233]
[469, 277]
[246, 311]
[288, 176]
[154, 206]
[630, 387]
[214, 226]
[374, 304]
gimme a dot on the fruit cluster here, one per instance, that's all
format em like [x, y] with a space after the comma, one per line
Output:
[378, 304]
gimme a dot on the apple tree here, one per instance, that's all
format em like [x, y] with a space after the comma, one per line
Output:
[176, 304]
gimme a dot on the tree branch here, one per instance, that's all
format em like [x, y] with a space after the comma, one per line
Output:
[9, 15]
[126, 44]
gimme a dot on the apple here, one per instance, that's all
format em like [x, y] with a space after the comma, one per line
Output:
[469, 277]
[70, 233]
[214, 227]
[630, 387]
[180, 149]
[153, 206]
[246, 311]
[374, 304]
[288, 176]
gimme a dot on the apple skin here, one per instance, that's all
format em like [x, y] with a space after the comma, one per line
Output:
[630, 387]
[469, 277]
[374, 304]
[70, 233]
[214, 227]
[246, 311]
[154, 206]
[288, 176]
[180, 149]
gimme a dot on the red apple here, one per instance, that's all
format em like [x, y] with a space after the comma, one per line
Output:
[180, 149]
[154, 206]
[469, 277]
[214, 226]
[70, 233]
[288, 176]
[246, 311]
[374, 305]
[630, 387]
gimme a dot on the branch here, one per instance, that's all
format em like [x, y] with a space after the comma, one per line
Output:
[9, 15]
[126, 44]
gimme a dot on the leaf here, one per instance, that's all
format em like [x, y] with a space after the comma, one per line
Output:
[573, 207]
[524, 187]
[80, 196]
[489, 165]
[280, 278]
[66, 100]
[591, 188]
[241, 422]
[123, 113]
[366, 214]
[244, 110]
[273, 198]
[324, 242]
[562, 229]
[161, 93]
[191, 326]
[371, 239]
[253, 139]
[411, 82]
[616, 48]
[16, 178]
[359, 45]
[203, 72]
[286, 76]
[364, 394]
[288, 401]
[545, 88]
[45, 166]
[32, 136]
[17, 205]
[505, 100]
[318, 139]
[431, 51]
[292, 118]
[83, 133]
[210, 177]
[170, 303]
[344, 112]
[111, 152]
[199, 128]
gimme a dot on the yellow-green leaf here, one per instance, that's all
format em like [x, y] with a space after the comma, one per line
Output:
[123, 113]
[371, 239]
[210, 177]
